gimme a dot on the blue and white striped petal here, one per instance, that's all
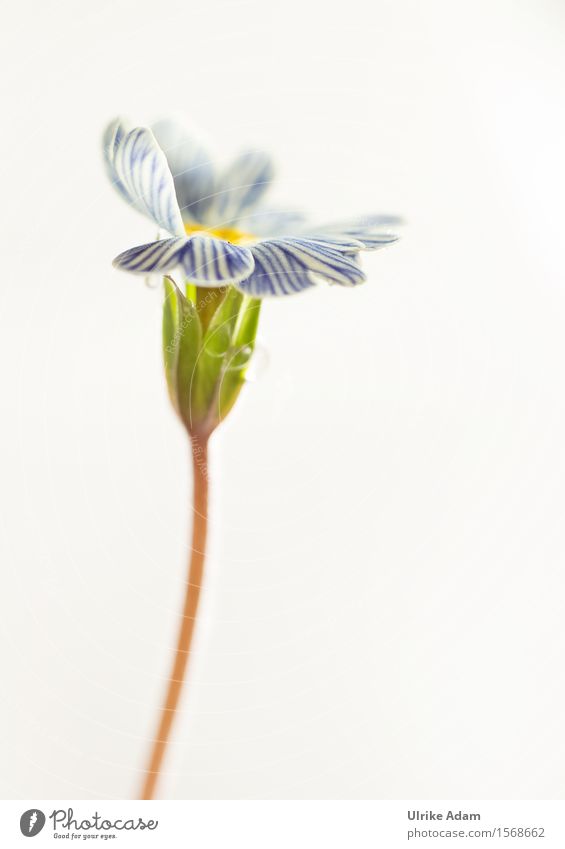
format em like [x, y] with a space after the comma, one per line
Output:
[289, 265]
[240, 188]
[205, 261]
[266, 221]
[191, 167]
[153, 258]
[375, 221]
[139, 170]
[214, 262]
[371, 231]
[113, 137]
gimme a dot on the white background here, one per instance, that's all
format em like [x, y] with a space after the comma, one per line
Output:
[384, 609]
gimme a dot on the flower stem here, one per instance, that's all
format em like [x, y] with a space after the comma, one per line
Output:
[199, 450]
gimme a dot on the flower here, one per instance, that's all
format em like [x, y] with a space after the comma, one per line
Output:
[218, 233]
[233, 252]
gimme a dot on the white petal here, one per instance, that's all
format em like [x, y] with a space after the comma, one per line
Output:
[287, 266]
[372, 231]
[139, 170]
[204, 260]
[191, 167]
[240, 188]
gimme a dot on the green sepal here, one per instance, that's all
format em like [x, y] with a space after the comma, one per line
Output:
[170, 348]
[206, 352]
[191, 292]
[182, 340]
[243, 344]
[208, 301]
[216, 346]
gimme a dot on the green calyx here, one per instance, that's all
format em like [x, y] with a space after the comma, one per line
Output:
[208, 341]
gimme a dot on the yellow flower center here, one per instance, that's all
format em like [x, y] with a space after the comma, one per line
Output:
[228, 234]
